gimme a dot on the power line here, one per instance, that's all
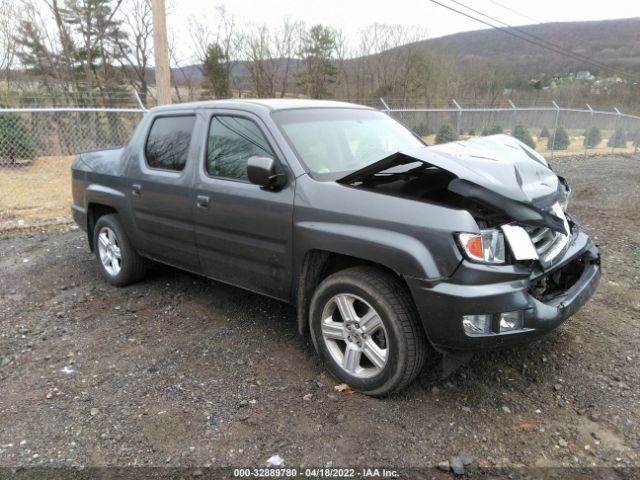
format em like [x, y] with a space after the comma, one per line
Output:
[557, 48]
[527, 37]
[530, 35]
[515, 11]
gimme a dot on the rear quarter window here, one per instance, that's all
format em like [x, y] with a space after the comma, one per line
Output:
[167, 145]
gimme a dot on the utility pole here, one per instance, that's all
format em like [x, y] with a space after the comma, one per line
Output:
[161, 52]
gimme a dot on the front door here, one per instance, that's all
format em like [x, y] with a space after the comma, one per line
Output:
[243, 232]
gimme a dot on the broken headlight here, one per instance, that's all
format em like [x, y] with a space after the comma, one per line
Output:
[564, 192]
[485, 247]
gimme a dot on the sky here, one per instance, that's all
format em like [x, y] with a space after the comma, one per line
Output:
[352, 15]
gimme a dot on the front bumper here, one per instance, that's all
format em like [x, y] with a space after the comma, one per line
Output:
[484, 289]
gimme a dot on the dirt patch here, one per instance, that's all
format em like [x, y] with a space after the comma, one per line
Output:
[35, 191]
[181, 371]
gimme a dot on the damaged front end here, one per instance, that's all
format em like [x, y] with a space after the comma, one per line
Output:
[507, 188]
[526, 269]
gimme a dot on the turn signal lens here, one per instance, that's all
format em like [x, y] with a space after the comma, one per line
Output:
[474, 246]
[485, 247]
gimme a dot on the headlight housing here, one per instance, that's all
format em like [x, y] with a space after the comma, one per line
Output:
[484, 247]
[565, 193]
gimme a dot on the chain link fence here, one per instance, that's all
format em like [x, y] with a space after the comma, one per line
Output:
[616, 131]
[36, 150]
[37, 145]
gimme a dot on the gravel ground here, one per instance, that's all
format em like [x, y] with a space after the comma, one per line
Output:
[182, 371]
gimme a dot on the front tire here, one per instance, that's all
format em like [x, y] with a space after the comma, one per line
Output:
[119, 263]
[366, 330]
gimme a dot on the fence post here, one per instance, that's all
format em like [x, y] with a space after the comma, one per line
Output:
[513, 116]
[613, 144]
[386, 107]
[142, 107]
[458, 116]
[555, 128]
[591, 125]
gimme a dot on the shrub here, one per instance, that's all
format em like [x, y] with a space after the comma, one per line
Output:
[561, 140]
[493, 130]
[17, 142]
[522, 134]
[634, 137]
[422, 129]
[446, 134]
[592, 137]
[544, 133]
[618, 139]
[472, 132]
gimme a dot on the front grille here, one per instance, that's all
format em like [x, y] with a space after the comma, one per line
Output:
[543, 239]
[548, 243]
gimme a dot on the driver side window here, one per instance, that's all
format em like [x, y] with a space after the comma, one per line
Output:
[231, 142]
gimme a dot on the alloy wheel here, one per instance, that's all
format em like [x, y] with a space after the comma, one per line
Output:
[355, 335]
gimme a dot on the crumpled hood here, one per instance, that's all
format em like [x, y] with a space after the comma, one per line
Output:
[499, 172]
[499, 163]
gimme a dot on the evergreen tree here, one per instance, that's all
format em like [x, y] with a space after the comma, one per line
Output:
[544, 133]
[422, 129]
[522, 134]
[492, 130]
[618, 139]
[317, 50]
[446, 134]
[216, 82]
[17, 142]
[592, 137]
[559, 140]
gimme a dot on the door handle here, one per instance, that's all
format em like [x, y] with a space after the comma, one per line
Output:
[136, 188]
[202, 201]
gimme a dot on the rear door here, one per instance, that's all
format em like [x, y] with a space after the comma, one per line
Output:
[243, 231]
[161, 190]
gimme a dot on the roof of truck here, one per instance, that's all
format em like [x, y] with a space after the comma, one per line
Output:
[271, 104]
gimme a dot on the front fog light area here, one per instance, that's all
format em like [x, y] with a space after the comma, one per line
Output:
[477, 324]
[487, 324]
[511, 321]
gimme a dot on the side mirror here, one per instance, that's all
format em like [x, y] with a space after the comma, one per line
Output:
[262, 171]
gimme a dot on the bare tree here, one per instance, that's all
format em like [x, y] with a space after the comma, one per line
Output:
[40, 53]
[343, 52]
[287, 43]
[8, 25]
[136, 48]
[224, 32]
[183, 73]
[261, 64]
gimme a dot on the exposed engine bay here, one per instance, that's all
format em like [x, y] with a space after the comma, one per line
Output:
[499, 180]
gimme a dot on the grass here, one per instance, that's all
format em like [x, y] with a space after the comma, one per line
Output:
[35, 190]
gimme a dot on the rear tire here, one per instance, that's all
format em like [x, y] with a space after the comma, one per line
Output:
[118, 262]
[366, 330]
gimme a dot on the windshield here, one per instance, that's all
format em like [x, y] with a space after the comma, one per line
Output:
[332, 140]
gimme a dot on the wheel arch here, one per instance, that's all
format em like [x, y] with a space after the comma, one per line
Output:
[317, 265]
[94, 212]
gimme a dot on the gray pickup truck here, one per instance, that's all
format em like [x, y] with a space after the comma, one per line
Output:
[386, 247]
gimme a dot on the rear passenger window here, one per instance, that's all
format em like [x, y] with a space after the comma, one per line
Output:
[232, 141]
[168, 143]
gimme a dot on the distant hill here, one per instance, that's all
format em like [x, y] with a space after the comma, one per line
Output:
[615, 43]
[612, 42]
